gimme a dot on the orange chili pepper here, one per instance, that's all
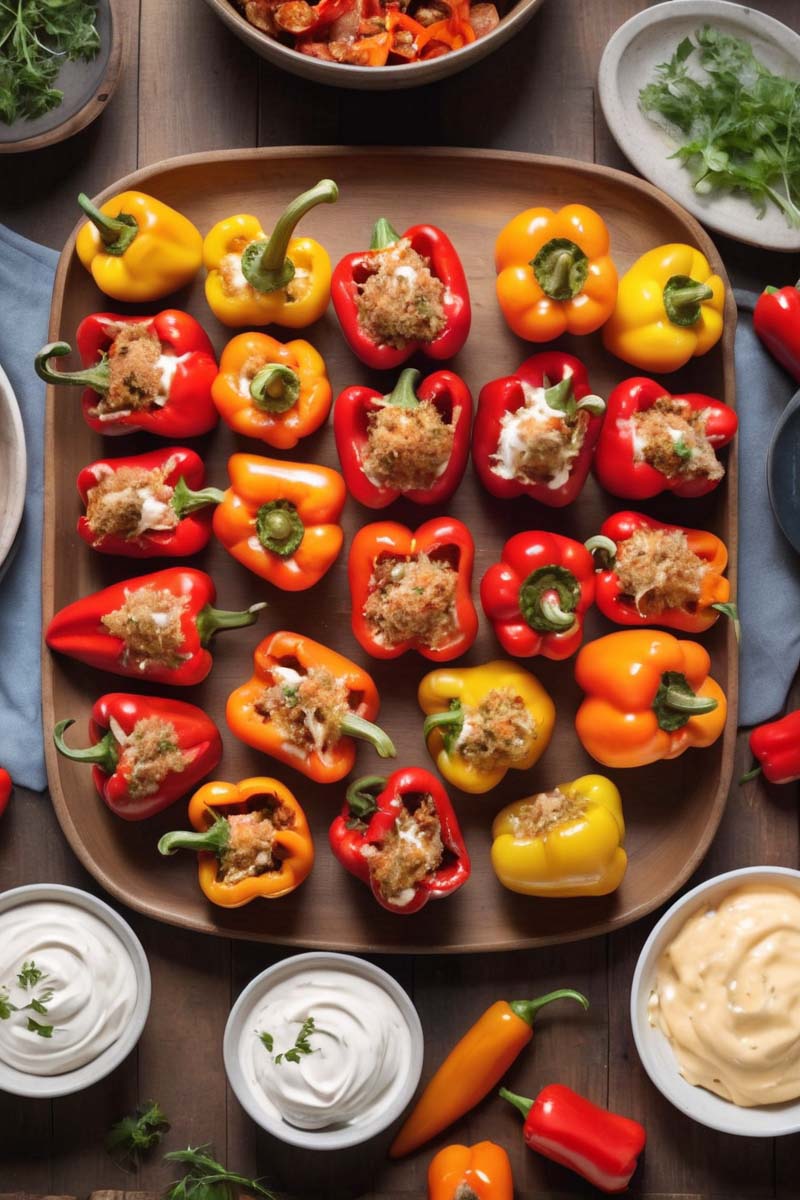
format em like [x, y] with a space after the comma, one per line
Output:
[480, 1172]
[272, 391]
[210, 812]
[374, 51]
[286, 658]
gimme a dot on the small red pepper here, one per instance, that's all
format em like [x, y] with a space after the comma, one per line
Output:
[776, 320]
[79, 632]
[185, 410]
[370, 814]
[552, 380]
[537, 595]
[615, 462]
[123, 729]
[5, 789]
[599, 1145]
[776, 746]
[183, 472]
[353, 270]
[355, 407]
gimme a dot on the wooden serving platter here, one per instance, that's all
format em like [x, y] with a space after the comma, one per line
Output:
[672, 809]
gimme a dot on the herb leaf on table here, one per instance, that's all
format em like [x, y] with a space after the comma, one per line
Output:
[207, 1179]
[36, 38]
[131, 1138]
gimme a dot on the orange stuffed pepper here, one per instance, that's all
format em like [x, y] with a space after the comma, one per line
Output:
[480, 1172]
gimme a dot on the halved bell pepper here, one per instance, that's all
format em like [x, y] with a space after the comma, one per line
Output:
[620, 464]
[378, 816]
[146, 751]
[567, 842]
[152, 627]
[358, 410]
[182, 405]
[554, 272]
[648, 697]
[536, 430]
[272, 391]
[252, 840]
[154, 515]
[483, 721]
[323, 750]
[440, 629]
[537, 595]
[352, 272]
[256, 278]
[138, 248]
[670, 308]
[623, 608]
[479, 1172]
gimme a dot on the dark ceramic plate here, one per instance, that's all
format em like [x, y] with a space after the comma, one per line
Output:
[783, 472]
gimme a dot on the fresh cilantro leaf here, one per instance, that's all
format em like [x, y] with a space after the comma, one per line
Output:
[6, 1007]
[29, 976]
[301, 1044]
[132, 1137]
[38, 1006]
[268, 1040]
[207, 1179]
[45, 1031]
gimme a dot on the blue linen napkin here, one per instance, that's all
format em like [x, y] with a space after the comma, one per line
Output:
[26, 284]
[769, 569]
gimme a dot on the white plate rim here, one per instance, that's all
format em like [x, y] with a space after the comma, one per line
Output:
[18, 468]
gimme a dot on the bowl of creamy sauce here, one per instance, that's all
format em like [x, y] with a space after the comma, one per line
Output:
[323, 1050]
[715, 1003]
[74, 990]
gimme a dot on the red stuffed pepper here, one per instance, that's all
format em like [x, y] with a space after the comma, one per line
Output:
[776, 320]
[412, 591]
[411, 442]
[536, 430]
[776, 747]
[152, 627]
[401, 837]
[146, 752]
[653, 442]
[146, 506]
[538, 594]
[149, 373]
[406, 293]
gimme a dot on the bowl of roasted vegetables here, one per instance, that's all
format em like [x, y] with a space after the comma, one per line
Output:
[374, 44]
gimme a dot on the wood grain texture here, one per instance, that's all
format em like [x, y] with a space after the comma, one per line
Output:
[535, 95]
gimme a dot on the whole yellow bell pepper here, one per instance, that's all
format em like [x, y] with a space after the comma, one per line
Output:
[669, 309]
[256, 278]
[484, 720]
[567, 842]
[137, 248]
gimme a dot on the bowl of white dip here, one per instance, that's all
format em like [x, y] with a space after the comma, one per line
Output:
[74, 990]
[323, 1050]
[715, 1003]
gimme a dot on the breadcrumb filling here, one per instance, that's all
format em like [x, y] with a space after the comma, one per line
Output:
[411, 850]
[149, 623]
[149, 754]
[129, 501]
[541, 813]
[671, 437]
[251, 837]
[658, 571]
[538, 447]
[412, 598]
[134, 375]
[498, 732]
[307, 710]
[400, 301]
[234, 283]
[407, 448]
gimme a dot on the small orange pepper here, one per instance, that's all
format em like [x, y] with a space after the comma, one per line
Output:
[479, 1172]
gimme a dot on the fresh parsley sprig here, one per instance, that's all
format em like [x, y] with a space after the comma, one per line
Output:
[36, 38]
[206, 1179]
[301, 1043]
[27, 977]
[131, 1138]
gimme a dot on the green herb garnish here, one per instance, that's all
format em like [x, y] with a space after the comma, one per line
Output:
[682, 450]
[29, 976]
[268, 1041]
[45, 1031]
[36, 38]
[132, 1137]
[206, 1179]
[6, 1007]
[301, 1043]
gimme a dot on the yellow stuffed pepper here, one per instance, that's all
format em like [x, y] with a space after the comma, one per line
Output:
[256, 278]
[669, 309]
[484, 720]
[566, 842]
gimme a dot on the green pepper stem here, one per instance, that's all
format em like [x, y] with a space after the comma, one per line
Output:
[102, 754]
[361, 795]
[527, 1010]
[352, 725]
[603, 549]
[116, 233]
[383, 235]
[730, 610]
[561, 268]
[264, 263]
[685, 297]
[404, 392]
[214, 839]
[185, 501]
[279, 527]
[210, 620]
[521, 1102]
[678, 700]
[595, 405]
[682, 297]
[95, 377]
[554, 614]
[753, 773]
[451, 718]
[275, 388]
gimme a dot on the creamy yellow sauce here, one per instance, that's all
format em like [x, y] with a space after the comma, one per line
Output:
[727, 996]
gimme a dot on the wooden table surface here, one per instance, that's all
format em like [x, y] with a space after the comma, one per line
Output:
[189, 86]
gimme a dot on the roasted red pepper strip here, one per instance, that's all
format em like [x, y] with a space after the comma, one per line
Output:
[615, 462]
[355, 408]
[126, 773]
[432, 244]
[5, 789]
[192, 513]
[552, 380]
[188, 369]
[776, 747]
[79, 631]
[598, 1145]
[370, 814]
[537, 595]
[442, 539]
[776, 320]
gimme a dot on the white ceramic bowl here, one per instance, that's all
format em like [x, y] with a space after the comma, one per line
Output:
[656, 1054]
[45, 1087]
[239, 1021]
[13, 470]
